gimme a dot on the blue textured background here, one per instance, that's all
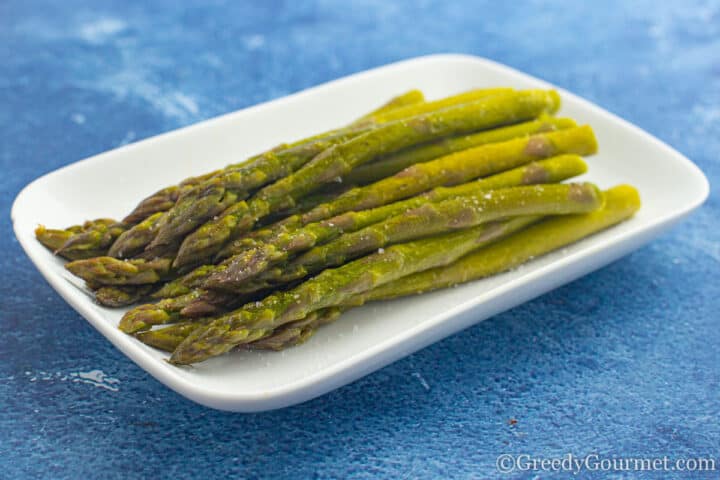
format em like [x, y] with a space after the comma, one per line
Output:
[622, 362]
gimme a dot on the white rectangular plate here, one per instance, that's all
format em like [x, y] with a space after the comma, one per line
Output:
[370, 337]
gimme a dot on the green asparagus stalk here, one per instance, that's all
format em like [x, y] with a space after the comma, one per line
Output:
[367, 121]
[621, 202]
[186, 283]
[427, 107]
[255, 257]
[169, 310]
[121, 296]
[430, 218]
[224, 190]
[332, 287]
[341, 158]
[452, 169]
[81, 241]
[53, 239]
[232, 184]
[212, 197]
[385, 167]
[411, 97]
[168, 338]
[455, 167]
[283, 246]
[459, 167]
[111, 271]
[305, 204]
[134, 240]
[165, 198]
[292, 334]
[484, 113]
[296, 333]
[193, 304]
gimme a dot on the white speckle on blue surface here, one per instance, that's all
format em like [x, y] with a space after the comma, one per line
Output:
[96, 378]
[128, 138]
[707, 113]
[254, 42]
[187, 102]
[422, 380]
[100, 30]
[78, 118]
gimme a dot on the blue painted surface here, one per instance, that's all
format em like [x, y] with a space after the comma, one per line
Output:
[622, 362]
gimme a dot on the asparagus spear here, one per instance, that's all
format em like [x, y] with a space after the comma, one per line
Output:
[333, 163]
[458, 167]
[111, 271]
[81, 241]
[121, 295]
[341, 158]
[169, 310]
[53, 239]
[426, 107]
[332, 287]
[306, 204]
[165, 198]
[284, 245]
[213, 196]
[204, 201]
[411, 97]
[134, 240]
[385, 167]
[168, 338]
[430, 218]
[186, 283]
[294, 333]
[451, 169]
[621, 202]
[193, 304]
[367, 121]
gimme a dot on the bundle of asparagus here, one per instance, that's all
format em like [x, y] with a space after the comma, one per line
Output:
[414, 196]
